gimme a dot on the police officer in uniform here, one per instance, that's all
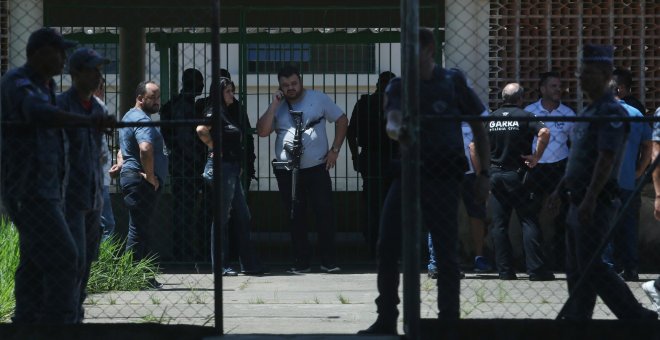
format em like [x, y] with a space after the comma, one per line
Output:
[33, 170]
[84, 199]
[590, 185]
[510, 143]
[442, 93]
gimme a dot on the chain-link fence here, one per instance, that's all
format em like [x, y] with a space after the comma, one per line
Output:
[514, 266]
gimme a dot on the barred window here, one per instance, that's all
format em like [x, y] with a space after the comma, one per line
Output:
[312, 58]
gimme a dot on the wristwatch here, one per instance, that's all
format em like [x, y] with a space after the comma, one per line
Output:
[334, 149]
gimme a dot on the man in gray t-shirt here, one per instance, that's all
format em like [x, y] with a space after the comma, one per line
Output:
[314, 186]
[144, 169]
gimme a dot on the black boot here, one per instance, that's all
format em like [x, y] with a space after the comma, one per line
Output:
[381, 327]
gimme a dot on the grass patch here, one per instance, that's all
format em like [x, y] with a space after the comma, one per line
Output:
[8, 264]
[344, 300]
[256, 301]
[114, 270]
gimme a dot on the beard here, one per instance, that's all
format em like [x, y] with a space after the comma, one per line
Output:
[151, 109]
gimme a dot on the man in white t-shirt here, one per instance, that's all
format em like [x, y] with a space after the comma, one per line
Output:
[313, 187]
[543, 178]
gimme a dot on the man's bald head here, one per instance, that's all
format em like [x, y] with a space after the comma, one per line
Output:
[513, 94]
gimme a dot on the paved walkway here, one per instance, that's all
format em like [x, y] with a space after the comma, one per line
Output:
[321, 303]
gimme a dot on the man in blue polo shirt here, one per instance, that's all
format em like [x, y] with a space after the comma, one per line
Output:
[622, 251]
[84, 200]
[32, 190]
[144, 169]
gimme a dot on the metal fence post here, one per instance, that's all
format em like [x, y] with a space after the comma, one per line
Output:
[410, 186]
[216, 133]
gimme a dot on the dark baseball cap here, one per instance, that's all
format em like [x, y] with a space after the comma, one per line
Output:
[598, 54]
[47, 36]
[84, 57]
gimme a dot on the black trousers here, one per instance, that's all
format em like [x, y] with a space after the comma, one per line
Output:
[508, 193]
[440, 216]
[314, 189]
[543, 180]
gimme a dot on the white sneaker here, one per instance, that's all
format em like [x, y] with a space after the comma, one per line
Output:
[330, 269]
[652, 293]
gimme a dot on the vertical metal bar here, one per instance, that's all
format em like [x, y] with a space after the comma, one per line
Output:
[164, 53]
[548, 35]
[174, 68]
[642, 60]
[132, 42]
[410, 189]
[517, 39]
[580, 24]
[216, 134]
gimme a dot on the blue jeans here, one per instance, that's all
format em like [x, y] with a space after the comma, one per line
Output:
[622, 250]
[107, 217]
[432, 266]
[581, 244]
[440, 215]
[46, 281]
[234, 203]
[140, 199]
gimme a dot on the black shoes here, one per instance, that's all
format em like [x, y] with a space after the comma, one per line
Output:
[153, 284]
[542, 276]
[508, 276]
[629, 275]
[380, 327]
[433, 274]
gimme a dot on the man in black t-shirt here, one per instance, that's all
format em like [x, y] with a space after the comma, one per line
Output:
[366, 131]
[510, 142]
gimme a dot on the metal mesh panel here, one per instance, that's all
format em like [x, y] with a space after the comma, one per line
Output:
[493, 43]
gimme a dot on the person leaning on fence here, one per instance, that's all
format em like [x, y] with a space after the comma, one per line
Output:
[313, 184]
[234, 203]
[366, 130]
[621, 253]
[187, 156]
[652, 288]
[33, 168]
[510, 160]
[443, 93]
[590, 186]
[143, 171]
[84, 187]
[544, 177]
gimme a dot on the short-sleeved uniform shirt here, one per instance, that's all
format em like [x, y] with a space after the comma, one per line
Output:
[129, 142]
[445, 94]
[316, 107]
[639, 132]
[557, 148]
[84, 177]
[32, 157]
[590, 138]
[509, 140]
